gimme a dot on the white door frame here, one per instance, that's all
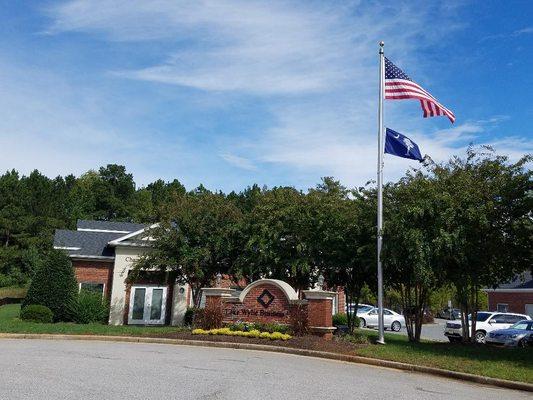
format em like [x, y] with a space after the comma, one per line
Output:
[148, 295]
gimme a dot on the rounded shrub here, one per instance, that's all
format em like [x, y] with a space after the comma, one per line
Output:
[188, 318]
[340, 319]
[54, 286]
[91, 307]
[36, 313]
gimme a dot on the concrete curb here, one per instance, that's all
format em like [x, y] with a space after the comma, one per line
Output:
[502, 383]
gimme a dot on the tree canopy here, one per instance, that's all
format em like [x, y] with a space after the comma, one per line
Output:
[463, 224]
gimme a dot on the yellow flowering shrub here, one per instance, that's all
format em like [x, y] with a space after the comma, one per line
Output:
[252, 334]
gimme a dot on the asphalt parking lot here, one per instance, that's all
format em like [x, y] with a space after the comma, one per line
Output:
[434, 331]
[60, 370]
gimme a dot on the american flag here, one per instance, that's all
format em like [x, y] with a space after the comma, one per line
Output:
[399, 86]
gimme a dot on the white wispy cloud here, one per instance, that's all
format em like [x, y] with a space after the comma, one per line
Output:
[251, 46]
[238, 161]
[59, 128]
[513, 34]
[312, 63]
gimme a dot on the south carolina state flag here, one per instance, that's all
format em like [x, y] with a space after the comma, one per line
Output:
[401, 146]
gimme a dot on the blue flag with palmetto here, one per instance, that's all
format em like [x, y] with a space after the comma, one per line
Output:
[401, 146]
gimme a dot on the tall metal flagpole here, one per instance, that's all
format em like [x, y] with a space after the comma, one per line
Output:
[381, 338]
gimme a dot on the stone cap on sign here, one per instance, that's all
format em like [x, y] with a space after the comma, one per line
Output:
[232, 299]
[323, 329]
[287, 289]
[318, 294]
[219, 292]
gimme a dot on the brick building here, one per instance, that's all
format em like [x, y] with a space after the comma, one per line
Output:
[515, 296]
[103, 254]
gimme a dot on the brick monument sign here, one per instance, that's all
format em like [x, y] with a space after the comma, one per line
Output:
[274, 301]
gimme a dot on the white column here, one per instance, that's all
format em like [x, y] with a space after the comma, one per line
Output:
[124, 259]
[179, 304]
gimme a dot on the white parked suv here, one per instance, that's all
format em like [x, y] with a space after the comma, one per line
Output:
[485, 322]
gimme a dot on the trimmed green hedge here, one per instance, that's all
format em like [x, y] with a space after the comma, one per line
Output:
[340, 319]
[36, 313]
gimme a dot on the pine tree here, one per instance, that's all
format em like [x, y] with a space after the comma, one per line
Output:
[54, 286]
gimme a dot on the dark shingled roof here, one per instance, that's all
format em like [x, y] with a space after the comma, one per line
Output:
[522, 281]
[109, 225]
[90, 243]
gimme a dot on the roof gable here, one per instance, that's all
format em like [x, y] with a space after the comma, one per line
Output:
[134, 238]
[91, 244]
[92, 238]
[522, 281]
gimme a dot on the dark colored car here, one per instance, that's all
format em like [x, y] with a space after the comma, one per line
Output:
[449, 313]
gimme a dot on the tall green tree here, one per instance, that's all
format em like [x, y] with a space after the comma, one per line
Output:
[342, 239]
[278, 237]
[485, 215]
[163, 193]
[196, 240]
[409, 252]
[114, 193]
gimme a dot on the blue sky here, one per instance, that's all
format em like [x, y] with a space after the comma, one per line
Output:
[231, 93]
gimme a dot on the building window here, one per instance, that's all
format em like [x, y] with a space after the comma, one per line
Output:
[500, 307]
[92, 287]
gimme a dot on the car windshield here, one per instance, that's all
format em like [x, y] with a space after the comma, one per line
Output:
[364, 308]
[521, 325]
[481, 316]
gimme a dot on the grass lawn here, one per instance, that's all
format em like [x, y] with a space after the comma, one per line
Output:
[503, 363]
[10, 323]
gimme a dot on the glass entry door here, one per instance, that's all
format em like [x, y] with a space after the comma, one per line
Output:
[147, 305]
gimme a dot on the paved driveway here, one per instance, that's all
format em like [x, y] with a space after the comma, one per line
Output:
[40, 369]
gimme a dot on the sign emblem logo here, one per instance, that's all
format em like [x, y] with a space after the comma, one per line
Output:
[265, 298]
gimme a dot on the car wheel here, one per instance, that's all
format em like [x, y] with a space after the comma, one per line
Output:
[522, 344]
[396, 326]
[480, 337]
[362, 323]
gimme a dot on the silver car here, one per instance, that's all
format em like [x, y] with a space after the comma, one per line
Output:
[519, 334]
[368, 317]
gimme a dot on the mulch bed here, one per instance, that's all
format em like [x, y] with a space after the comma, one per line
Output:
[298, 342]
